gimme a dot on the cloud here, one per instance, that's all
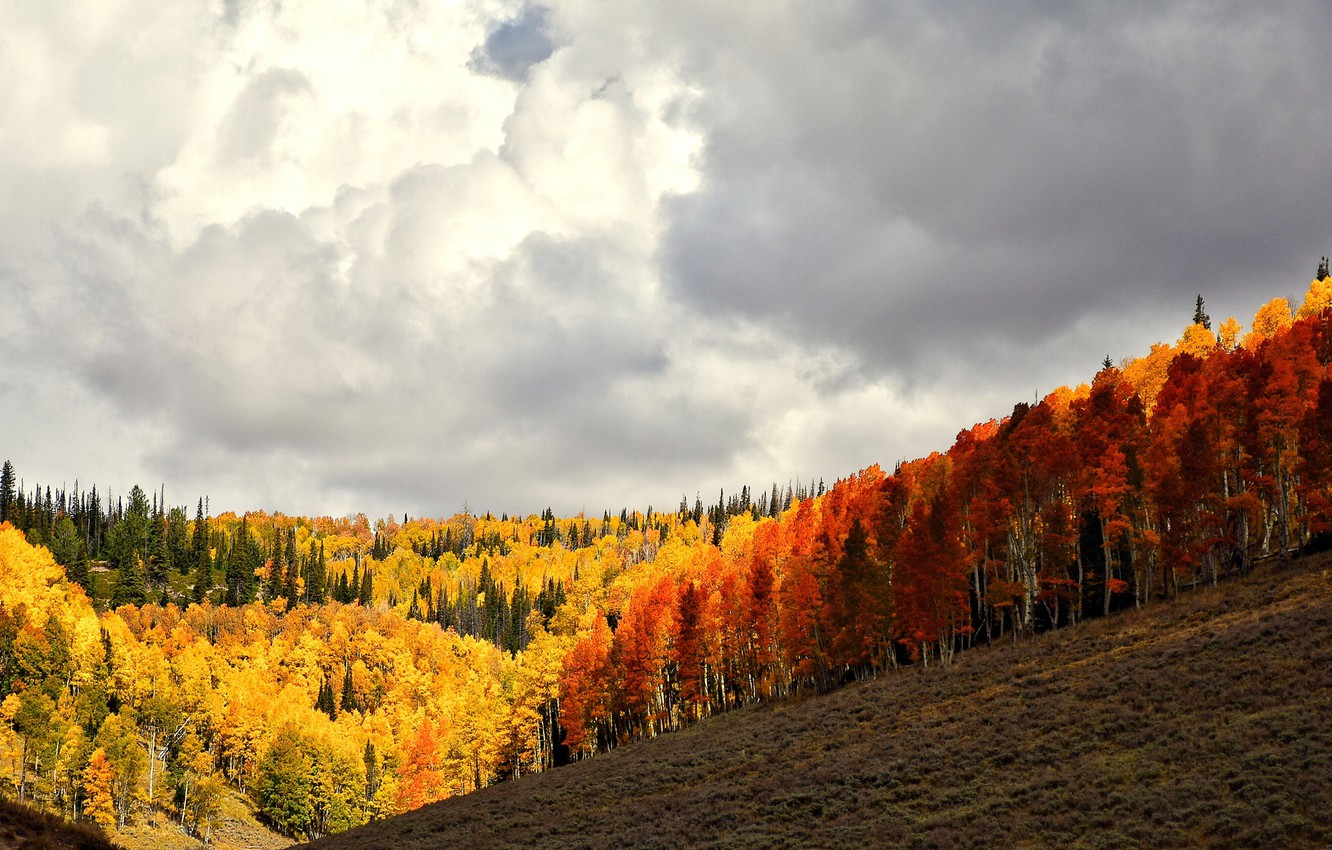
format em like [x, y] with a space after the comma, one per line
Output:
[917, 183]
[387, 256]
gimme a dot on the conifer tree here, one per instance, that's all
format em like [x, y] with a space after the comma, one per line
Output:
[6, 489]
[203, 581]
[348, 701]
[131, 586]
[1200, 316]
[277, 569]
[367, 592]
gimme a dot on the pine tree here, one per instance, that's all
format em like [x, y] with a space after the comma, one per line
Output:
[294, 562]
[1322, 270]
[1200, 316]
[348, 701]
[6, 489]
[131, 586]
[200, 555]
[325, 701]
[367, 592]
[371, 770]
[277, 569]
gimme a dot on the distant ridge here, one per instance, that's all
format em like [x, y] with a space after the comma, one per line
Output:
[1202, 723]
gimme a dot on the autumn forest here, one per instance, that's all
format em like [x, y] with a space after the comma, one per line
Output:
[155, 658]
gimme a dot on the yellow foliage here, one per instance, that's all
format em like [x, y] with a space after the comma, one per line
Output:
[1228, 334]
[1197, 340]
[1317, 299]
[1147, 375]
[1271, 319]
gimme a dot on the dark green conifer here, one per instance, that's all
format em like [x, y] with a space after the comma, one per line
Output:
[1200, 316]
[7, 487]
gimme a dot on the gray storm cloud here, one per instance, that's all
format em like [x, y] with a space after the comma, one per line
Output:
[398, 257]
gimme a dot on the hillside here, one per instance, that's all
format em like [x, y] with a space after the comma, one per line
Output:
[1204, 723]
[25, 828]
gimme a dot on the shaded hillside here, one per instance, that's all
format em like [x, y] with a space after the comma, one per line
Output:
[1206, 723]
[25, 828]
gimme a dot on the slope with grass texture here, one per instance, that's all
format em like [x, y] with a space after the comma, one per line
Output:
[1202, 723]
[23, 827]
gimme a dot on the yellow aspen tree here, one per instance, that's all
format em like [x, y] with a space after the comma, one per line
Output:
[1228, 334]
[1271, 319]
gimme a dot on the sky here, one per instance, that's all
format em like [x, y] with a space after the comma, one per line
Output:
[400, 256]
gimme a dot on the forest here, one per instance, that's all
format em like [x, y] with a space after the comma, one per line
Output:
[338, 670]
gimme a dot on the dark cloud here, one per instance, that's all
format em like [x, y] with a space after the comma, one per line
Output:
[515, 46]
[911, 182]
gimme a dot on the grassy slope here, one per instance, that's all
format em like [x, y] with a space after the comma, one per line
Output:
[26, 828]
[239, 829]
[1204, 723]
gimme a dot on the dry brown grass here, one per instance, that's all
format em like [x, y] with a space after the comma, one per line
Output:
[26, 828]
[1203, 723]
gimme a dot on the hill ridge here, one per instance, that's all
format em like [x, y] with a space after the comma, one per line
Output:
[1141, 712]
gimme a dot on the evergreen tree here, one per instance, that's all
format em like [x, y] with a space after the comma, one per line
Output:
[367, 592]
[348, 701]
[199, 552]
[178, 542]
[131, 585]
[1200, 316]
[371, 770]
[1322, 270]
[277, 569]
[159, 555]
[325, 702]
[203, 579]
[129, 538]
[242, 560]
[6, 490]
[69, 549]
[291, 588]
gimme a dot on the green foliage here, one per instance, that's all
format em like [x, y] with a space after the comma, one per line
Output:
[310, 788]
[131, 587]
[119, 740]
[286, 787]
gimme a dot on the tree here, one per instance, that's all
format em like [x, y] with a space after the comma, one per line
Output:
[585, 690]
[35, 722]
[930, 584]
[366, 594]
[860, 611]
[131, 583]
[161, 724]
[203, 561]
[286, 787]
[687, 651]
[1200, 316]
[67, 546]
[1271, 318]
[421, 777]
[126, 760]
[98, 779]
[6, 490]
